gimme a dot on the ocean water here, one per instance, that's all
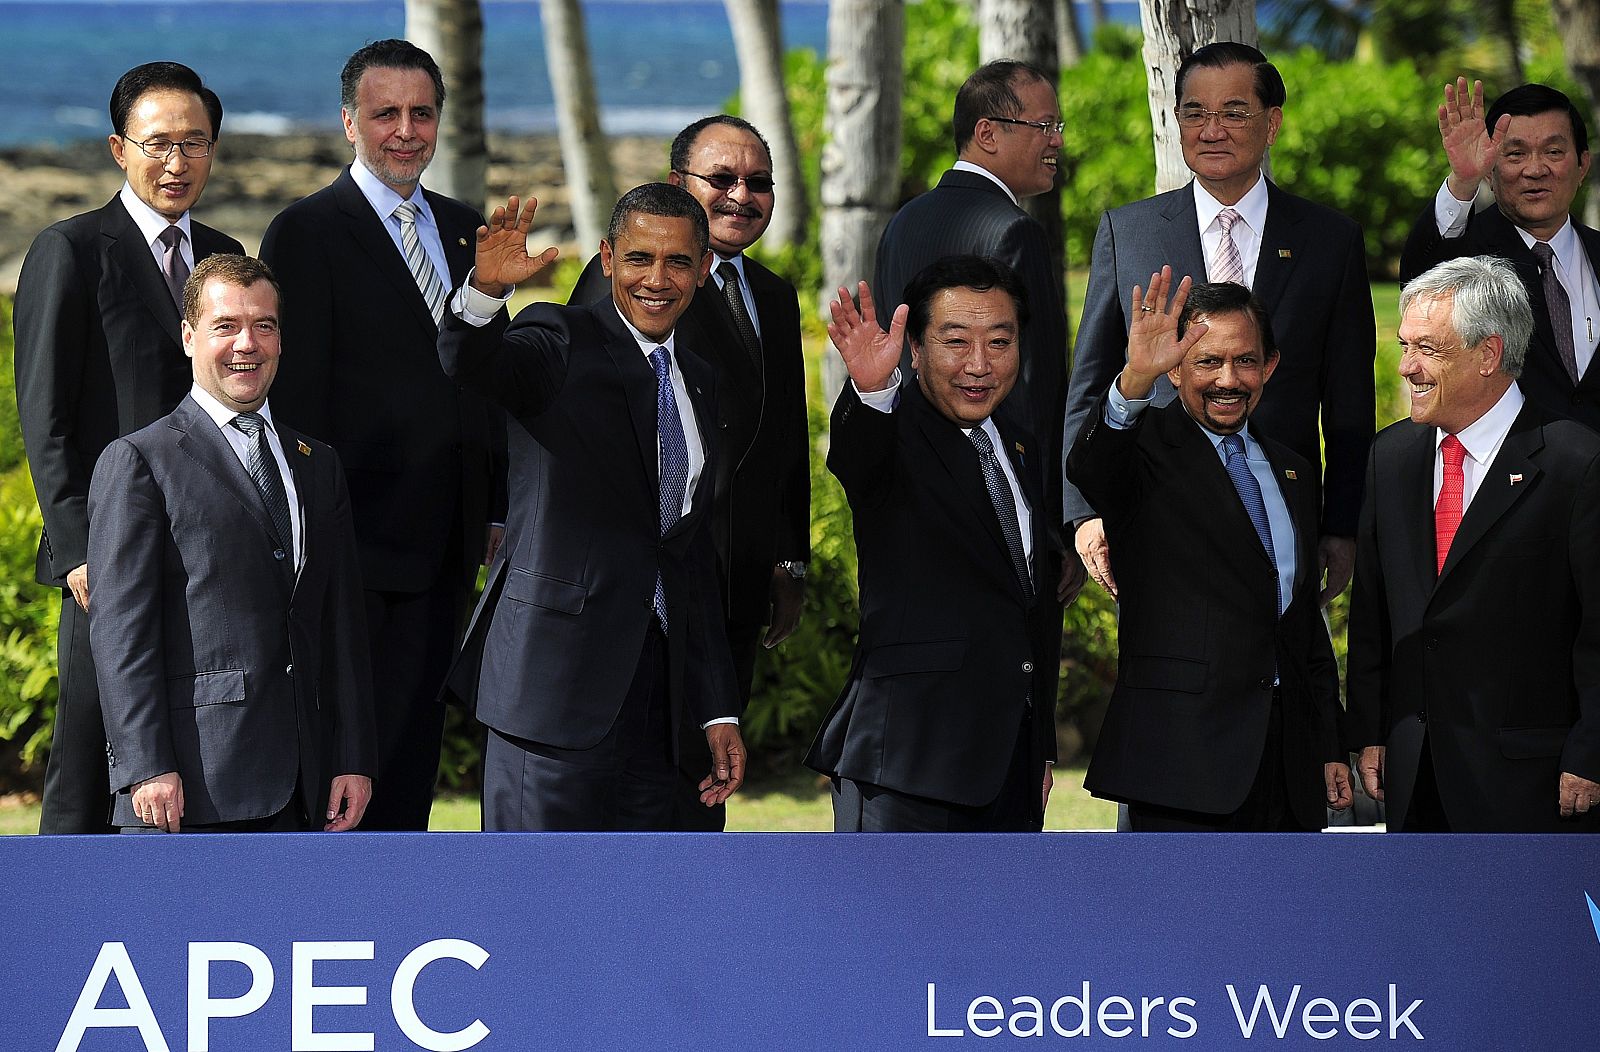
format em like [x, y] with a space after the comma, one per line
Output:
[657, 63]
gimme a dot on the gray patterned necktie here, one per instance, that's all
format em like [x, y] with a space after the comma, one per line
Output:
[1228, 264]
[1559, 307]
[417, 261]
[1005, 506]
[263, 468]
[741, 316]
[173, 267]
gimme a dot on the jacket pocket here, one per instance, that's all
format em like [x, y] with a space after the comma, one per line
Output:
[552, 593]
[1527, 743]
[1163, 673]
[897, 659]
[206, 688]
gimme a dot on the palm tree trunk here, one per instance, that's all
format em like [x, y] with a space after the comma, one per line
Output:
[758, 41]
[1172, 30]
[585, 159]
[452, 32]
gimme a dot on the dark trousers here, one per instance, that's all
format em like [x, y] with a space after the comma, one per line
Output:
[77, 787]
[859, 807]
[1265, 809]
[1425, 811]
[689, 815]
[292, 819]
[623, 783]
[412, 638]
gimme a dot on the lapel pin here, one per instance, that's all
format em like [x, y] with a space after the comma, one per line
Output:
[1284, 253]
[461, 241]
[1516, 478]
[1018, 447]
[305, 450]
[1289, 474]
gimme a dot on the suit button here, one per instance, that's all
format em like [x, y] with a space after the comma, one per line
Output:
[1432, 643]
[1266, 682]
[1027, 666]
[277, 554]
[289, 670]
[1422, 715]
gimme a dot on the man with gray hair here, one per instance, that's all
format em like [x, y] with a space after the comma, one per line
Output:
[1474, 671]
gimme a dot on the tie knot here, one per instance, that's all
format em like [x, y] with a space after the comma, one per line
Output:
[1543, 253]
[1233, 445]
[1454, 452]
[172, 237]
[661, 362]
[728, 272]
[406, 212]
[250, 423]
[1226, 218]
[980, 441]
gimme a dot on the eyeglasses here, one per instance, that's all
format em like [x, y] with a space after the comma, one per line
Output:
[1196, 118]
[1048, 127]
[725, 181]
[161, 149]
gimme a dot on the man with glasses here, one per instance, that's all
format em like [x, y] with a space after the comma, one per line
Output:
[366, 265]
[750, 331]
[1304, 262]
[98, 356]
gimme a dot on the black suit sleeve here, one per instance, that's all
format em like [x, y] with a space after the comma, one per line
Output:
[296, 251]
[1348, 394]
[1098, 465]
[347, 672]
[51, 324]
[794, 488]
[1098, 354]
[1425, 247]
[520, 365]
[1370, 636]
[1581, 753]
[861, 451]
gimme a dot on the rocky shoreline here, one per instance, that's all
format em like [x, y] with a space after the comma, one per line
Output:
[255, 176]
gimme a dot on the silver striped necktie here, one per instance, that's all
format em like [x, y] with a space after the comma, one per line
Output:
[417, 261]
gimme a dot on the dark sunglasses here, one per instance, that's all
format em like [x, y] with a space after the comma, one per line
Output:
[725, 181]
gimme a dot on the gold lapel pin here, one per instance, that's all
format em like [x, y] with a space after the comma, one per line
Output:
[1018, 447]
[305, 450]
[461, 241]
[1284, 253]
[1289, 474]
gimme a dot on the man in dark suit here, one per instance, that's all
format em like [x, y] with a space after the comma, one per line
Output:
[947, 722]
[1225, 713]
[600, 627]
[227, 622]
[98, 356]
[1533, 149]
[1474, 669]
[1007, 126]
[366, 264]
[747, 325]
[1304, 262]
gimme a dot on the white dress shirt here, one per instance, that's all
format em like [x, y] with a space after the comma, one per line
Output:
[239, 442]
[153, 224]
[1246, 232]
[384, 201]
[1482, 440]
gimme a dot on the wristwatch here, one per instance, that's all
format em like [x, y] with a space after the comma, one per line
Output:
[794, 568]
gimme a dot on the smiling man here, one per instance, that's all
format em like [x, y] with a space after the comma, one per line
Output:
[366, 263]
[600, 632]
[1474, 670]
[947, 722]
[98, 356]
[227, 624]
[1225, 713]
[1532, 147]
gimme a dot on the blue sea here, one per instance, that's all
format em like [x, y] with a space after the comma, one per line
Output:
[657, 63]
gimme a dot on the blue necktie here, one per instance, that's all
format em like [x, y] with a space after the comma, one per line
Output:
[674, 460]
[1250, 493]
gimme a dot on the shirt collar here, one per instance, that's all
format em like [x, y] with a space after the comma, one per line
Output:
[737, 261]
[646, 344]
[1564, 244]
[1484, 435]
[220, 414]
[1252, 448]
[382, 197]
[1252, 207]
[150, 222]
[978, 169]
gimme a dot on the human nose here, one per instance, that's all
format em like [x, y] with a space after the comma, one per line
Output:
[175, 161]
[740, 192]
[1408, 362]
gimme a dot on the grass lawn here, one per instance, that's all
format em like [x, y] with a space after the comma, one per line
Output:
[795, 803]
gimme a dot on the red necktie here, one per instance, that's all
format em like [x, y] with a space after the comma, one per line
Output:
[1447, 513]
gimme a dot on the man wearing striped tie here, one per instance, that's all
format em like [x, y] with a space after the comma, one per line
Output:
[1225, 713]
[366, 264]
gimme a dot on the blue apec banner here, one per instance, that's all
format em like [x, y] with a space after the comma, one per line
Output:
[511, 943]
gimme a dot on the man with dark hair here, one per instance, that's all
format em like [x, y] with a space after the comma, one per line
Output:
[98, 356]
[1306, 263]
[366, 264]
[947, 722]
[1474, 671]
[1225, 713]
[748, 327]
[227, 624]
[1533, 149]
[599, 632]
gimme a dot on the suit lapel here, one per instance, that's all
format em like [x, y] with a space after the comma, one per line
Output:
[1504, 481]
[369, 232]
[1280, 248]
[638, 387]
[458, 244]
[132, 255]
[312, 514]
[699, 379]
[1180, 237]
[202, 441]
[1296, 492]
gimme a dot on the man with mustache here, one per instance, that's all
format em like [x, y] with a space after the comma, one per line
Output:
[98, 356]
[747, 325]
[1225, 713]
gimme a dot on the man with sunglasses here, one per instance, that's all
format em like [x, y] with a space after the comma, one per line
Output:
[1304, 262]
[748, 326]
[99, 356]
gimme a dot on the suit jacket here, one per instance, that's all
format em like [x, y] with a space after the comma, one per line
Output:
[950, 648]
[1198, 631]
[215, 659]
[761, 512]
[1544, 379]
[1311, 275]
[556, 638]
[1497, 658]
[967, 213]
[98, 355]
[359, 368]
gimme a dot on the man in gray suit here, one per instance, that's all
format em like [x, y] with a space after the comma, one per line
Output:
[1304, 262]
[227, 624]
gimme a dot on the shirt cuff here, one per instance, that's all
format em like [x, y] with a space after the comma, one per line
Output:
[1450, 214]
[724, 719]
[885, 400]
[477, 308]
[1122, 413]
